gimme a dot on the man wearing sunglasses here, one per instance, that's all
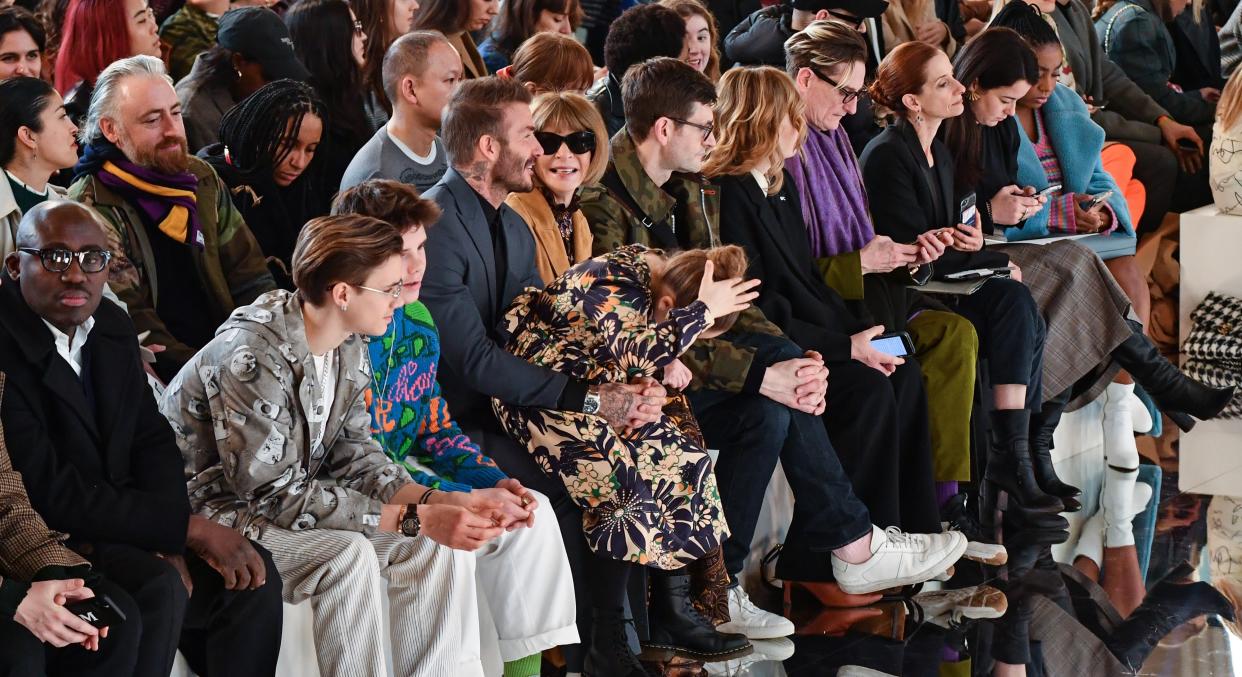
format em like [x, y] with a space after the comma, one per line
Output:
[100, 463]
[760, 39]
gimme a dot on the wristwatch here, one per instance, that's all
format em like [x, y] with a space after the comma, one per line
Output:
[410, 524]
[590, 404]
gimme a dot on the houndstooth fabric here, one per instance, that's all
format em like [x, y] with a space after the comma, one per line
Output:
[1214, 347]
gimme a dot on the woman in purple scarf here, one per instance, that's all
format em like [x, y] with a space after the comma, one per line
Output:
[827, 62]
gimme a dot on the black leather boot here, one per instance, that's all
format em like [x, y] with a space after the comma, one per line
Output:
[609, 654]
[1010, 475]
[1176, 394]
[1043, 425]
[676, 626]
[1167, 605]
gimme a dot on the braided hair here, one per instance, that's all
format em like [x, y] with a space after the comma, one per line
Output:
[259, 132]
[1028, 22]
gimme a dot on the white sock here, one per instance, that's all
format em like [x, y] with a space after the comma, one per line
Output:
[1121, 472]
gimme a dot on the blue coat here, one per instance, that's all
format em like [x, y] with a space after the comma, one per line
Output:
[1078, 143]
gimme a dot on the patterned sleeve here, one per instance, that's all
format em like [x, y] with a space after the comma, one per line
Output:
[618, 305]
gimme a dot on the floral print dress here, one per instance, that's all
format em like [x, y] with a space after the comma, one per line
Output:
[649, 494]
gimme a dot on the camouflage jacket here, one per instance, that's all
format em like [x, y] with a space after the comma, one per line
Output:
[188, 33]
[231, 267]
[692, 206]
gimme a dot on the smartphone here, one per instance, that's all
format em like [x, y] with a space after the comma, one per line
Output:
[1047, 192]
[974, 274]
[1097, 199]
[897, 344]
[968, 210]
[100, 611]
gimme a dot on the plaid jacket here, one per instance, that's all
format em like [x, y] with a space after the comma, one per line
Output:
[26, 543]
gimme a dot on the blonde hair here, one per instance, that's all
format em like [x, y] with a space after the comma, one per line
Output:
[751, 105]
[1229, 109]
[573, 112]
[683, 272]
[688, 8]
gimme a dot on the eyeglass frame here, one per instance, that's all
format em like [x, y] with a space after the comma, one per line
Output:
[395, 294]
[707, 129]
[564, 140]
[847, 94]
[77, 256]
[856, 21]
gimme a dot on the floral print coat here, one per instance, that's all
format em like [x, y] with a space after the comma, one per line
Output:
[649, 495]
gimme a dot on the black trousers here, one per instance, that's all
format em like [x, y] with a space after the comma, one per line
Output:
[23, 655]
[226, 632]
[878, 424]
[1011, 335]
[751, 433]
[1168, 187]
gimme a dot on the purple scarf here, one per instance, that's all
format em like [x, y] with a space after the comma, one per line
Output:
[834, 205]
[168, 203]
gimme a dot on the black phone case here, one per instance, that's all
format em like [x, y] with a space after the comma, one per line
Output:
[99, 611]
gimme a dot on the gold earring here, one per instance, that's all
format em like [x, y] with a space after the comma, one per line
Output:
[972, 96]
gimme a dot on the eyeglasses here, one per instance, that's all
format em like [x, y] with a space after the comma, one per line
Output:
[578, 142]
[855, 21]
[847, 94]
[59, 260]
[358, 28]
[393, 291]
[707, 129]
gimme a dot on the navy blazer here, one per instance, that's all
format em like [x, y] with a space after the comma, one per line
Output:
[459, 289]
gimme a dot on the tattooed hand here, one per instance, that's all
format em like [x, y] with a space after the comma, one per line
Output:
[625, 405]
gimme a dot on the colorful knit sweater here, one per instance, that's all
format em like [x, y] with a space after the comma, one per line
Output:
[408, 415]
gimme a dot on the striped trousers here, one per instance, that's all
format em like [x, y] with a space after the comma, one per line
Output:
[523, 577]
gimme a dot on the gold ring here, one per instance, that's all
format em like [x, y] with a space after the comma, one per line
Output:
[525, 501]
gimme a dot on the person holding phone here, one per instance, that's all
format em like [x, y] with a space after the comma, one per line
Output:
[908, 174]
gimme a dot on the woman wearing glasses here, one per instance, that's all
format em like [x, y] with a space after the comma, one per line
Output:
[328, 39]
[575, 153]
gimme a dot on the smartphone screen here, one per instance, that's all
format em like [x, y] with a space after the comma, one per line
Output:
[889, 345]
[1047, 192]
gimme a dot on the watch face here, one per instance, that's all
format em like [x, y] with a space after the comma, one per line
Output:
[591, 404]
[409, 526]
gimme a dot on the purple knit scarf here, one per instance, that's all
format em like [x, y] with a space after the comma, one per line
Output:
[834, 205]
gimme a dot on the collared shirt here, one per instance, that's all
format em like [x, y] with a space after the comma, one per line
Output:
[69, 349]
[495, 224]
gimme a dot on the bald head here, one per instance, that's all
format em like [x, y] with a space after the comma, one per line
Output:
[50, 233]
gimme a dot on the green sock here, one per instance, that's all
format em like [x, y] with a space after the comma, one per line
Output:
[524, 667]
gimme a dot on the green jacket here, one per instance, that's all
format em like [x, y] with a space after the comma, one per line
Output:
[188, 32]
[230, 265]
[694, 207]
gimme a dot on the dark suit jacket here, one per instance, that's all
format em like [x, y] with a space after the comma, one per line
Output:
[101, 466]
[793, 295]
[460, 291]
[901, 196]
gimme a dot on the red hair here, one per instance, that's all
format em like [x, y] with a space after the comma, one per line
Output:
[96, 33]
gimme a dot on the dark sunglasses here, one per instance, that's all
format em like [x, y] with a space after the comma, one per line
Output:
[578, 142]
[59, 260]
[847, 94]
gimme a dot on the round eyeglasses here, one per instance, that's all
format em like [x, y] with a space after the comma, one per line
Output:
[59, 260]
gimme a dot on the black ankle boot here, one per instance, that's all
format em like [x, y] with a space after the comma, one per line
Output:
[1010, 475]
[1176, 394]
[609, 654]
[676, 626]
[1043, 425]
[1168, 605]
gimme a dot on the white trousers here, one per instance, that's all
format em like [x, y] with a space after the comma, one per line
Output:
[433, 597]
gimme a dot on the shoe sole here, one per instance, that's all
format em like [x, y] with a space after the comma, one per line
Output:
[756, 633]
[663, 652]
[942, 565]
[996, 560]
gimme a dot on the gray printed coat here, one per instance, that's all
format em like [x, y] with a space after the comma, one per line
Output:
[245, 412]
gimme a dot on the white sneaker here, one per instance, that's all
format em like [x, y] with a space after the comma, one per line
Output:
[765, 661]
[747, 619]
[898, 559]
[986, 553]
[949, 607]
[861, 671]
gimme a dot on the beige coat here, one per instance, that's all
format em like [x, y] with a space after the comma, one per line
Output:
[550, 255]
[903, 16]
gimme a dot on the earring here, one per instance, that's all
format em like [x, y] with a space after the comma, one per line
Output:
[344, 307]
[238, 74]
[972, 96]
[918, 117]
